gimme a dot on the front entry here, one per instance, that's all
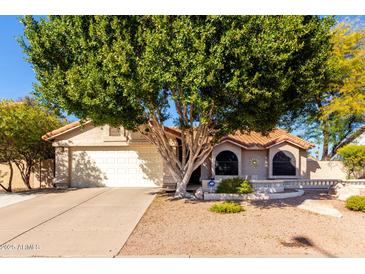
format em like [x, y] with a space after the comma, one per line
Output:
[194, 181]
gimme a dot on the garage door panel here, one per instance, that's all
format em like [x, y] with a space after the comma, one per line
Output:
[127, 167]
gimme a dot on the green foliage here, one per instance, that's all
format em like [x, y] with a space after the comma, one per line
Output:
[356, 203]
[226, 207]
[353, 157]
[335, 113]
[233, 72]
[348, 60]
[234, 185]
[229, 185]
[22, 125]
[245, 188]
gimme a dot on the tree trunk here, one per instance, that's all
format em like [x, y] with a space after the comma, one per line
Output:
[3, 187]
[195, 144]
[346, 141]
[181, 188]
[27, 179]
[181, 185]
[10, 182]
[325, 156]
[10, 177]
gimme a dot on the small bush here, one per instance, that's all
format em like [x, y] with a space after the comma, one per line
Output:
[353, 157]
[245, 188]
[226, 207]
[356, 203]
[234, 185]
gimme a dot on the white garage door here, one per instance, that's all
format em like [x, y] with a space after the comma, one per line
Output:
[138, 166]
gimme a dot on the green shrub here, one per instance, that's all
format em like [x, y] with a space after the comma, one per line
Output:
[226, 207]
[234, 185]
[356, 203]
[245, 188]
[353, 157]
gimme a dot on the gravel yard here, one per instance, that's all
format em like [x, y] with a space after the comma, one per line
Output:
[265, 229]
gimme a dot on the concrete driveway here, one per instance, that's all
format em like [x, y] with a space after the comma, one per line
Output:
[89, 222]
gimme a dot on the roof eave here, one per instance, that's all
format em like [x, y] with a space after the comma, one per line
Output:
[272, 144]
[48, 138]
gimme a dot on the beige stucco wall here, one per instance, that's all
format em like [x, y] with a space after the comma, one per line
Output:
[206, 169]
[261, 171]
[44, 174]
[303, 163]
[89, 135]
[62, 165]
[325, 170]
[41, 176]
[168, 180]
[264, 159]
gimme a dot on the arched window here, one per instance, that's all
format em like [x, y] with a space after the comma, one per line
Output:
[283, 164]
[226, 163]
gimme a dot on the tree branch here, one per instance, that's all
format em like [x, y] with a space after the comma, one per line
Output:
[347, 140]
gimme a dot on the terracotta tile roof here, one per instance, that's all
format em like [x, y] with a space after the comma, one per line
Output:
[257, 140]
[251, 140]
[64, 129]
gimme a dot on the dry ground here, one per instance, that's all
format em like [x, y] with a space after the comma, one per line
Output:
[265, 229]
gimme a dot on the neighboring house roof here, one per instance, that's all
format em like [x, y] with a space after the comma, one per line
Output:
[251, 140]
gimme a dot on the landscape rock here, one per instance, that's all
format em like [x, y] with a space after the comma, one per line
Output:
[346, 192]
[335, 188]
[190, 196]
[199, 193]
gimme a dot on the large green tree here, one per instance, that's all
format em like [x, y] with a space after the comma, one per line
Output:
[335, 113]
[218, 73]
[22, 125]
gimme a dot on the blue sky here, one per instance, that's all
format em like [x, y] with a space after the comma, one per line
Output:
[16, 75]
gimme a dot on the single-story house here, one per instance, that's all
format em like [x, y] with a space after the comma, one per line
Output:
[88, 155]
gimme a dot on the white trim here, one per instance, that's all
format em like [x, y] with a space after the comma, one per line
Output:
[251, 196]
[260, 148]
[240, 145]
[285, 141]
